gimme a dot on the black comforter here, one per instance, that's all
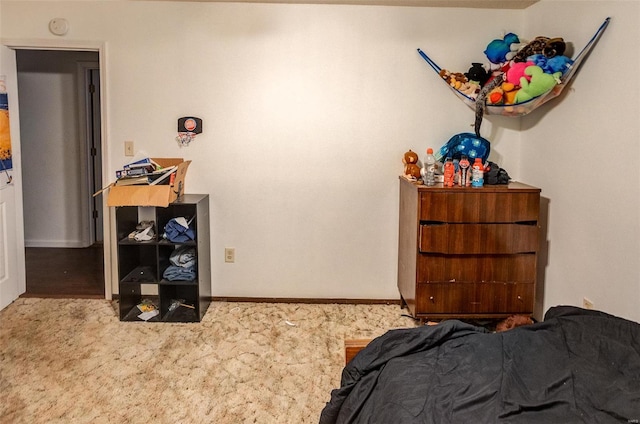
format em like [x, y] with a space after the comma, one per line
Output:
[576, 366]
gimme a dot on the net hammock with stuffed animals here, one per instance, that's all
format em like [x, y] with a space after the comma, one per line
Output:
[523, 108]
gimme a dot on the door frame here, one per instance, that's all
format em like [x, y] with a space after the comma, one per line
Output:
[85, 120]
[107, 216]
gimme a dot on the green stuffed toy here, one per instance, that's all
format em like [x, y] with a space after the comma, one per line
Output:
[540, 83]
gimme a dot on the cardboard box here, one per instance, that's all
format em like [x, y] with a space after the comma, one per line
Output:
[151, 195]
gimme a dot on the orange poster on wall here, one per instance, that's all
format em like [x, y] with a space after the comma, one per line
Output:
[5, 136]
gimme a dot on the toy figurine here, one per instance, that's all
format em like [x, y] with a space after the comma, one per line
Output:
[449, 172]
[411, 168]
[464, 178]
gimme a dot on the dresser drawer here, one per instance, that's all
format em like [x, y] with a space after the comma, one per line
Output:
[478, 238]
[479, 206]
[483, 268]
[475, 298]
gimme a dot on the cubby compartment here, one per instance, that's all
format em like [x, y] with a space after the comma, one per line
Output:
[136, 300]
[137, 263]
[180, 302]
[182, 253]
[186, 294]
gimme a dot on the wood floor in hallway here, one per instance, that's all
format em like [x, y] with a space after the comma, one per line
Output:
[65, 272]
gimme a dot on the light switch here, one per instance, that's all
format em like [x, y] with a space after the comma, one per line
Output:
[128, 148]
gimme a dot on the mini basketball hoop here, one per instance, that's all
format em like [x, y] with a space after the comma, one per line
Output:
[188, 128]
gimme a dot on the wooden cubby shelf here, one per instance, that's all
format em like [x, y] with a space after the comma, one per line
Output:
[141, 264]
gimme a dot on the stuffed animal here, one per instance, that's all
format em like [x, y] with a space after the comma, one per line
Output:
[540, 83]
[469, 144]
[516, 71]
[470, 89]
[477, 74]
[496, 96]
[411, 168]
[493, 174]
[454, 79]
[554, 47]
[460, 82]
[549, 47]
[505, 94]
[500, 51]
[509, 93]
[551, 65]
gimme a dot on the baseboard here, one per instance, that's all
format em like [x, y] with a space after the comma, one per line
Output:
[62, 296]
[58, 244]
[319, 301]
[307, 300]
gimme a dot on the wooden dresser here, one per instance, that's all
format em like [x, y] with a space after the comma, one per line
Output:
[468, 252]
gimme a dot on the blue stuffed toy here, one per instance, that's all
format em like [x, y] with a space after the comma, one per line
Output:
[551, 65]
[500, 51]
[467, 144]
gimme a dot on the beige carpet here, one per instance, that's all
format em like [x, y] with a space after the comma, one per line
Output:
[73, 361]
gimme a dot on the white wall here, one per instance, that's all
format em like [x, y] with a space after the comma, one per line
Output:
[52, 148]
[307, 110]
[584, 152]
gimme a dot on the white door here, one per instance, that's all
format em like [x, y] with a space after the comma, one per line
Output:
[9, 280]
[12, 276]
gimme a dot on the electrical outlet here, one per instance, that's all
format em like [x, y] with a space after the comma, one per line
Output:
[229, 254]
[587, 304]
[128, 148]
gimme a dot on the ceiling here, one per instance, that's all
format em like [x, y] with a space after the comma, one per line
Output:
[476, 4]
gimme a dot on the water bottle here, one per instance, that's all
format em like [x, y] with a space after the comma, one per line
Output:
[477, 173]
[429, 168]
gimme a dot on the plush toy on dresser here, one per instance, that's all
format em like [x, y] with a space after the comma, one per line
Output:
[411, 168]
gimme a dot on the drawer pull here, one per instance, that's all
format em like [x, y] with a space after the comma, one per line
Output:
[520, 298]
[432, 299]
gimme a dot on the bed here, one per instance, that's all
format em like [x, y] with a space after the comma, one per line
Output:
[575, 366]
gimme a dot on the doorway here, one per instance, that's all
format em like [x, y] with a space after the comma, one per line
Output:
[61, 169]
